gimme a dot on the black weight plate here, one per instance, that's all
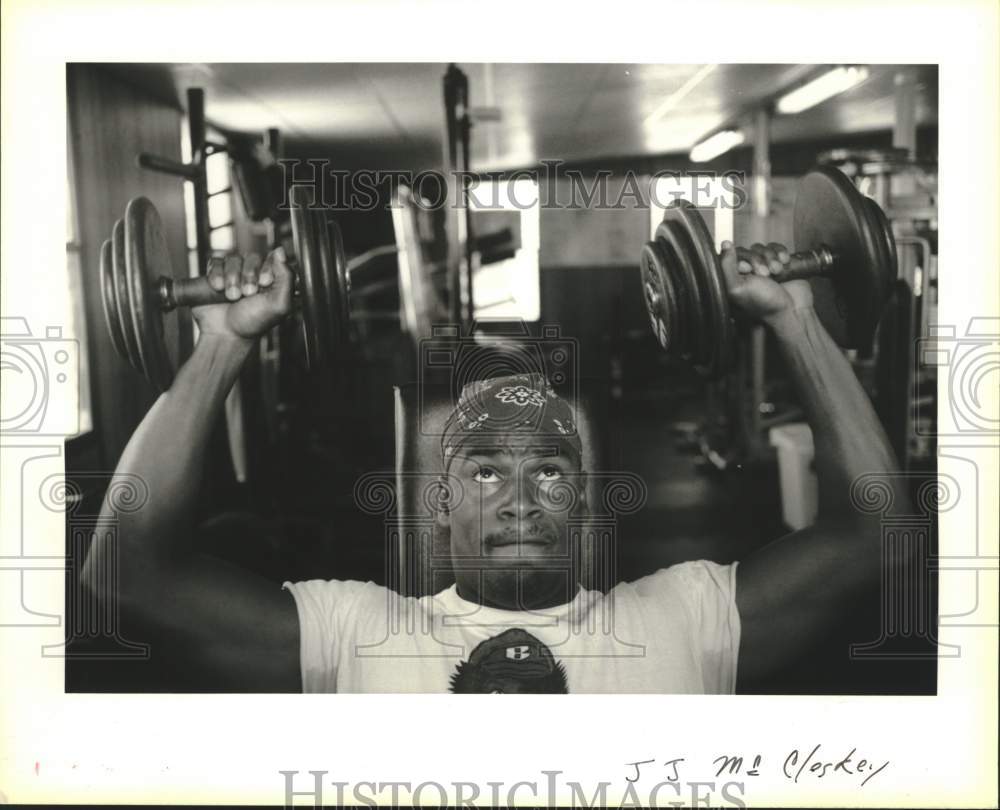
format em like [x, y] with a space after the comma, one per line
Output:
[147, 259]
[307, 226]
[343, 279]
[684, 272]
[831, 212]
[683, 337]
[881, 255]
[653, 294]
[716, 354]
[694, 326]
[714, 289]
[337, 285]
[659, 295]
[881, 290]
[330, 307]
[109, 303]
[119, 275]
[682, 317]
[886, 244]
[886, 240]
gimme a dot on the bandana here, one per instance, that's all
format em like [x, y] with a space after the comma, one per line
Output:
[498, 407]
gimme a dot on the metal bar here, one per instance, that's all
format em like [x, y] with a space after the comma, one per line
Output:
[761, 177]
[903, 184]
[166, 166]
[761, 214]
[187, 292]
[372, 287]
[917, 283]
[806, 264]
[196, 130]
[918, 277]
[466, 127]
[456, 87]
[452, 283]
[368, 255]
[904, 127]
[791, 415]
[274, 145]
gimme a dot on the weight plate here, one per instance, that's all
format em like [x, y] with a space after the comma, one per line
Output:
[119, 275]
[693, 327]
[330, 303]
[831, 212]
[659, 295]
[683, 329]
[331, 319]
[108, 301]
[882, 248]
[147, 259]
[886, 240]
[717, 328]
[714, 290]
[306, 227]
[343, 281]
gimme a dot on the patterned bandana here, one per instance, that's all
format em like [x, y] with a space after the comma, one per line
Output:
[497, 407]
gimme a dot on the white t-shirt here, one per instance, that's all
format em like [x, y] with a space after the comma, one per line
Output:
[673, 632]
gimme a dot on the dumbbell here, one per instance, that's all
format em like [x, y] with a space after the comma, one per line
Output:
[844, 247]
[138, 287]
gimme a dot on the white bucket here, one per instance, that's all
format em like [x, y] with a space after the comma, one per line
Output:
[799, 488]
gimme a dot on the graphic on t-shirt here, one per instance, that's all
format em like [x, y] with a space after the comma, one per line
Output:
[510, 663]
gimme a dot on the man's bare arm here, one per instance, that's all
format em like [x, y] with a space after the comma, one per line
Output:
[213, 616]
[792, 591]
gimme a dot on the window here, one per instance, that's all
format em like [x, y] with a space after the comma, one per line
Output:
[508, 287]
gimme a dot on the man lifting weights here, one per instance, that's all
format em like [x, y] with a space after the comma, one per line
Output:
[516, 620]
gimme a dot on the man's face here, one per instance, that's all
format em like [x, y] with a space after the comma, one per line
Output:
[510, 543]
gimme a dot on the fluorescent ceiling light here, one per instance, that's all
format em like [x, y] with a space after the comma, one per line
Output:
[716, 144]
[679, 94]
[821, 88]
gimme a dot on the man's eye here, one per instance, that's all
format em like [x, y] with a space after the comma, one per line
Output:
[486, 475]
[549, 474]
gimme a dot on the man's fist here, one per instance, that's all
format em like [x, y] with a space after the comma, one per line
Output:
[751, 288]
[260, 295]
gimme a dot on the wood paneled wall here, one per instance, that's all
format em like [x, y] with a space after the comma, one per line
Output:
[109, 123]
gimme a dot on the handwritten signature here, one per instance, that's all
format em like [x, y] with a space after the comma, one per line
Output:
[815, 764]
[820, 765]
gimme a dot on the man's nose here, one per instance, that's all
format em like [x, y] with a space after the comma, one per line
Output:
[519, 502]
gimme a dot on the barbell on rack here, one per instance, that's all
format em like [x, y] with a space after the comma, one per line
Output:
[845, 248]
[138, 287]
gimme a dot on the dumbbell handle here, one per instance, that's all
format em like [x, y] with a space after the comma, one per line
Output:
[195, 292]
[806, 264]
[187, 292]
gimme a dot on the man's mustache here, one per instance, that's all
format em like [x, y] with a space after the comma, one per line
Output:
[528, 533]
